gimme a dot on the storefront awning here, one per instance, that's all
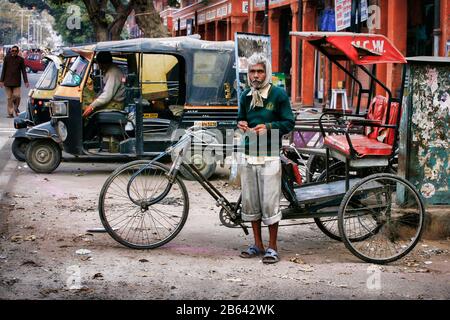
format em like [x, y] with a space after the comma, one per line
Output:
[360, 48]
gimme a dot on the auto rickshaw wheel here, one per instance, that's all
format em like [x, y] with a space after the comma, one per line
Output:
[19, 148]
[43, 155]
[205, 163]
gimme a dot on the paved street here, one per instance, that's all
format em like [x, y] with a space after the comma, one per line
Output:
[44, 220]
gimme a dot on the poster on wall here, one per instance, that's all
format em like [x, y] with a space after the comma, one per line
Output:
[279, 79]
[343, 11]
[364, 10]
[247, 44]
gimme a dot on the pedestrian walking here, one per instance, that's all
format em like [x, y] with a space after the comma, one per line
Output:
[265, 115]
[13, 69]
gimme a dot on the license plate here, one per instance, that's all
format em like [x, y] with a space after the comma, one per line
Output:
[150, 115]
[205, 123]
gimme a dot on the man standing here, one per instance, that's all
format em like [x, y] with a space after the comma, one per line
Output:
[13, 67]
[265, 115]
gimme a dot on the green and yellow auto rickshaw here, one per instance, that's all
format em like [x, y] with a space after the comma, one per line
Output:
[37, 111]
[171, 84]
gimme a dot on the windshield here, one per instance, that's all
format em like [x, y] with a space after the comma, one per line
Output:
[75, 73]
[210, 71]
[49, 78]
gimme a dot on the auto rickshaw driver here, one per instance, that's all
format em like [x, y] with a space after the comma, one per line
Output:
[113, 94]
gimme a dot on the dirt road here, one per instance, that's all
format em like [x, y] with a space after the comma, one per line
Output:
[44, 223]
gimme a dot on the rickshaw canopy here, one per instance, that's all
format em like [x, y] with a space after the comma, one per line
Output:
[164, 45]
[208, 64]
[360, 48]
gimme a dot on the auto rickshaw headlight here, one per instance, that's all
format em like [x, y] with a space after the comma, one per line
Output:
[59, 109]
[62, 130]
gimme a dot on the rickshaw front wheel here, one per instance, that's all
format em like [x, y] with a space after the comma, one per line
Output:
[43, 155]
[19, 148]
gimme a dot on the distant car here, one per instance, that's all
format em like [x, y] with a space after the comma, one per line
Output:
[34, 62]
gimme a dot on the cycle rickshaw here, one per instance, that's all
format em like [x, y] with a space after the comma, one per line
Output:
[380, 216]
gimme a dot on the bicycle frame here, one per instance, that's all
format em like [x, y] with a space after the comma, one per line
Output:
[221, 200]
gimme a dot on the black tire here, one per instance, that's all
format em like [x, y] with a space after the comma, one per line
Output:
[315, 166]
[28, 69]
[329, 225]
[43, 155]
[397, 218]
[34, 71]
[205, 163]
[19, 148]
[115, 206]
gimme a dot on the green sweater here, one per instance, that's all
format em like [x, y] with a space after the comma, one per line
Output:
[276, 114]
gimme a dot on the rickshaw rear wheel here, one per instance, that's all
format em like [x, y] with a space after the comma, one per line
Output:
[19, 148]
[154, 216]
[43, 155]
[390, 215]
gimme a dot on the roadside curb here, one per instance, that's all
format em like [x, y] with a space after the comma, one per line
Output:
[8, 166]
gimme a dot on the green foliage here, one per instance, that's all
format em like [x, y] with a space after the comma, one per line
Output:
[30, 4]
[72, 36]
[174, 3]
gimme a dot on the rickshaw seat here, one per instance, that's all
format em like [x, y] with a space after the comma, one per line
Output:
[377, 141]
[111, 122]
[112, 117]
[363, 145]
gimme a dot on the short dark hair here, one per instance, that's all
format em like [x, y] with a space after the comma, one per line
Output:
[104, 57]
[15, 47]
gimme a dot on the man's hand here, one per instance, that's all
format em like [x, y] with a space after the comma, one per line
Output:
[1, 85]
[27, 84]
[260, 129]
[88, 111]
[243, 125]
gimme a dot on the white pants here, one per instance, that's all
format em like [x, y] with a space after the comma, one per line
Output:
[261, 191]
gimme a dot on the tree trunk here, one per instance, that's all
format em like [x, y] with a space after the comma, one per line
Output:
[122, 13]
[148, 19]
[96, 12]
[101, 33]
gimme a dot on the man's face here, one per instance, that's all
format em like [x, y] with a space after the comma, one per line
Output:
[257, 75]
[14, 52]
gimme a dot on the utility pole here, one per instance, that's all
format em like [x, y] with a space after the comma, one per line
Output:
[21, 22]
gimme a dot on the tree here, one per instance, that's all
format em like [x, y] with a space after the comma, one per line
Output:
[104, 18]
[72, 32]
[148, 19]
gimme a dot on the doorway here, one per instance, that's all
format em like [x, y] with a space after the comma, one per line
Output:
[285, 56]
[421, 22]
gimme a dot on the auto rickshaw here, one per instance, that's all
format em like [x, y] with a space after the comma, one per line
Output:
[36, 111]
[171, 83]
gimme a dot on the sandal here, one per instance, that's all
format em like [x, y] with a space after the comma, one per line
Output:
[271, 256]
[251, 252]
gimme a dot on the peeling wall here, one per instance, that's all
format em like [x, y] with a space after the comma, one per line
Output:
[428, 165]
